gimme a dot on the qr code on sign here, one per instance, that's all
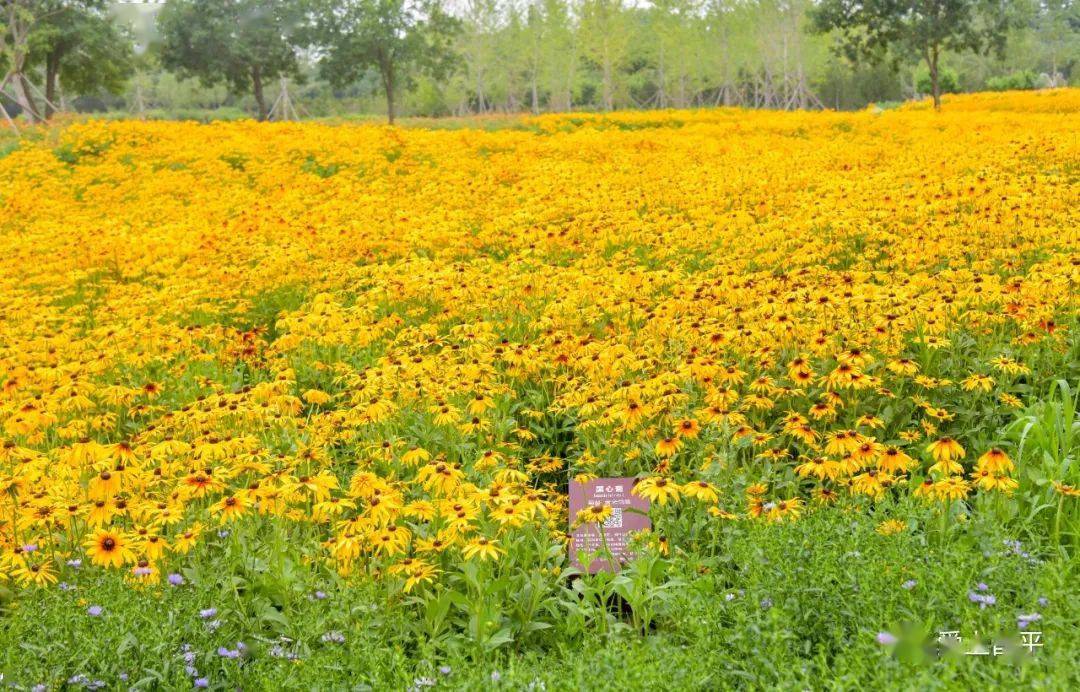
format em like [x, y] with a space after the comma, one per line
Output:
[615, 520]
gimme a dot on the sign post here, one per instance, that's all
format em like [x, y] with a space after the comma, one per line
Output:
[629, 514]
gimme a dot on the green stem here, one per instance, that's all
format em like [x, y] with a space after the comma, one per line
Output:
[1057, 521]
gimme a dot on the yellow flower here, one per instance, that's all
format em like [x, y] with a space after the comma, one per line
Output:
[668, 446]
[316, 397]
[656, 489]
[946, 449]
[1066, 490]
[700, 490]
[481, 549]
[35, 574]
[109, 549]
[230, 508]
[419, 573]
[951, 488]
[891, 527]
[594, 514]
[995, 461]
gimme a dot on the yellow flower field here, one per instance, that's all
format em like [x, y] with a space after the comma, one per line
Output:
[404, 342]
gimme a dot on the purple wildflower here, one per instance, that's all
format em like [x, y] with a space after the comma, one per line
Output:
[1023, 621]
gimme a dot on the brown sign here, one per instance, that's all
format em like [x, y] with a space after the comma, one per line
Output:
[617, 527]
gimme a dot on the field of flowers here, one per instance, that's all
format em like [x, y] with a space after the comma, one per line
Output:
[298, 405]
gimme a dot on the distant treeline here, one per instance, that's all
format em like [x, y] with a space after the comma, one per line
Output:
[182, 58]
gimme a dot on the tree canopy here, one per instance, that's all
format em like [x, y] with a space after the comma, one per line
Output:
[398, 38]
[243, 43]
[871, 29]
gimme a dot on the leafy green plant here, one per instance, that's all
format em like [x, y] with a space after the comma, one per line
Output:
[1047, 437]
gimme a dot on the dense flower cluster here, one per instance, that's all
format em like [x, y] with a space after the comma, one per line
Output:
[405, 342]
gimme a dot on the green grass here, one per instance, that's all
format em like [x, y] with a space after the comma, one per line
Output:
[793, 605]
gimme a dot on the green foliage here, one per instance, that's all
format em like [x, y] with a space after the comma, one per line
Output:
[1047, 439]
[80, 45]
[398, 39]
[244, 43]
[1021, 79]
[948, 82]
[791, 605]
[878, 29]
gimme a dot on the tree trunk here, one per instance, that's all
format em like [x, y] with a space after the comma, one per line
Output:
[662, 79]
[935, 86]
[52, 69]
[388, 82]
[257, 86]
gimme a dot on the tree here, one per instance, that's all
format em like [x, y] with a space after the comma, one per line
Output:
[400, 39]
[482, 21]
[18, 19]
[80, 45]
[926, 28]
[605, 40]
[243, 43]
[559, 55]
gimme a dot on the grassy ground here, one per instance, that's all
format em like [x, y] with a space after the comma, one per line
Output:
[791, 605]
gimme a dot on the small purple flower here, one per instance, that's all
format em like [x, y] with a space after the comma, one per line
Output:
[142, 571]
[95, 611]
[495, 676]
[908, 585]
[30, 548]
[207, 613]
[74, 564]
[64, 586]
[885, 639]
[123, 677]
[444, 670]
[766, 603]
[320, 595]
[40, 687]
[228, 653]
[981, 586]
[1023, 621]
[1043, 601]
[223, 533]
[176, 579]
[202, 683]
